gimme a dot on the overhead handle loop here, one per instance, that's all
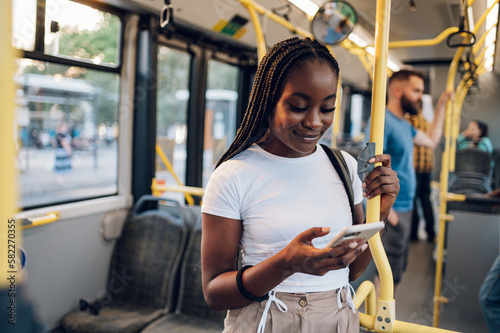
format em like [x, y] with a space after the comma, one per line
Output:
[167, 14]
[461, 38]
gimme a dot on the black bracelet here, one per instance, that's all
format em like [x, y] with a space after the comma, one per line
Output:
[242, 289]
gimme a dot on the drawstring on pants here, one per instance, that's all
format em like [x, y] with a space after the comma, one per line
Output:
[281, 306]
[349, 291]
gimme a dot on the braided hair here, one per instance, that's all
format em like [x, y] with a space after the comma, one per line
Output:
[268, 86]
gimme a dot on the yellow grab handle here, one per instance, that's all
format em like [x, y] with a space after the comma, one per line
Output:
[32, 222]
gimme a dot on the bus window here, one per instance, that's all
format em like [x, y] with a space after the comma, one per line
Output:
[171, 117]
[67, 129]
[220, 113]
[67, 112]
[64, 17]
[23, 24]
[71, 29]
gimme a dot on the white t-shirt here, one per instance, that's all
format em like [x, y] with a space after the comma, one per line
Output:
[277, 198]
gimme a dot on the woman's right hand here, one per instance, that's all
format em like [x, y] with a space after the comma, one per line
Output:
[300, 256]
[218, 262]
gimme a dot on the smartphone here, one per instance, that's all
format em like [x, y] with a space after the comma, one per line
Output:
[358, 231]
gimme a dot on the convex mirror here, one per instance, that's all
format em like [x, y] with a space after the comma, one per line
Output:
[333, 22]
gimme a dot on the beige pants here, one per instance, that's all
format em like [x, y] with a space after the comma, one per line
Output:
[307, 313]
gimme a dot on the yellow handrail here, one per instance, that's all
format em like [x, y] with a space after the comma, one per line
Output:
[170, 168]
[480, 41]
[183, 189]
[445, 163]
[250, 5]
[366, 293]
[423, 42]
[9, 233]
[368, 322]
[445, 169]
[32, 222]
[454, 197]
[385, 307]
[480, 58]
[460, 95]
[254, 8]
[482, 19]
[439, 38]
[275, 17]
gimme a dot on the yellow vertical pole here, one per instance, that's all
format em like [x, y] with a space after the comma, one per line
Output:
[261, 43]
[170, 168]
[461, 93]
[455, 124]
[10, 234]
[385, 303]
[445, 165]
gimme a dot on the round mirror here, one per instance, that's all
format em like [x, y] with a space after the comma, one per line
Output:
[333, 22]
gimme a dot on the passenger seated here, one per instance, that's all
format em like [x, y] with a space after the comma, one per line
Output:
[475, 136]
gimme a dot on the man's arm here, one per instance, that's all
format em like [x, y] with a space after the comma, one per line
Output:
[433, 135]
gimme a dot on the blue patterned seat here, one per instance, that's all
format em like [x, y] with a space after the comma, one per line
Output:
[143, 274]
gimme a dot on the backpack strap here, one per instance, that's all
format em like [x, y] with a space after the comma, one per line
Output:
[340, 166]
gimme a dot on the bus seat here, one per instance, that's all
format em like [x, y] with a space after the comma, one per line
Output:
[469, 183]
[473, 170]
[473, 160]
[192, 313]
[170, 208]
[142, 277]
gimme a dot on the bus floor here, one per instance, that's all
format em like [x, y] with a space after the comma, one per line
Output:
[415, 293]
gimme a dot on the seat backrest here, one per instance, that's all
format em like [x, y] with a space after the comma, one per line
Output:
[171, 208]
[145, 260]
[473, 160]
[468, 183]
[191, 299]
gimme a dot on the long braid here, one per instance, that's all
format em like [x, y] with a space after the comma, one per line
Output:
[268, 84]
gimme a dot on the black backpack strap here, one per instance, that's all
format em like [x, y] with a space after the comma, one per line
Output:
[342, 169]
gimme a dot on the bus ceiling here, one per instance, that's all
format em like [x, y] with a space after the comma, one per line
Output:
[421, 20]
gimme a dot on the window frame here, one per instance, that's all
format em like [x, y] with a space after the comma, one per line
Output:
[99, 203]
[38, 52]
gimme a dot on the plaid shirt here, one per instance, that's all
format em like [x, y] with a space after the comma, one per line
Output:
[423, 157]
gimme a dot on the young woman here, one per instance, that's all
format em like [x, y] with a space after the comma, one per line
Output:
[475, 136]
[276, 193]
